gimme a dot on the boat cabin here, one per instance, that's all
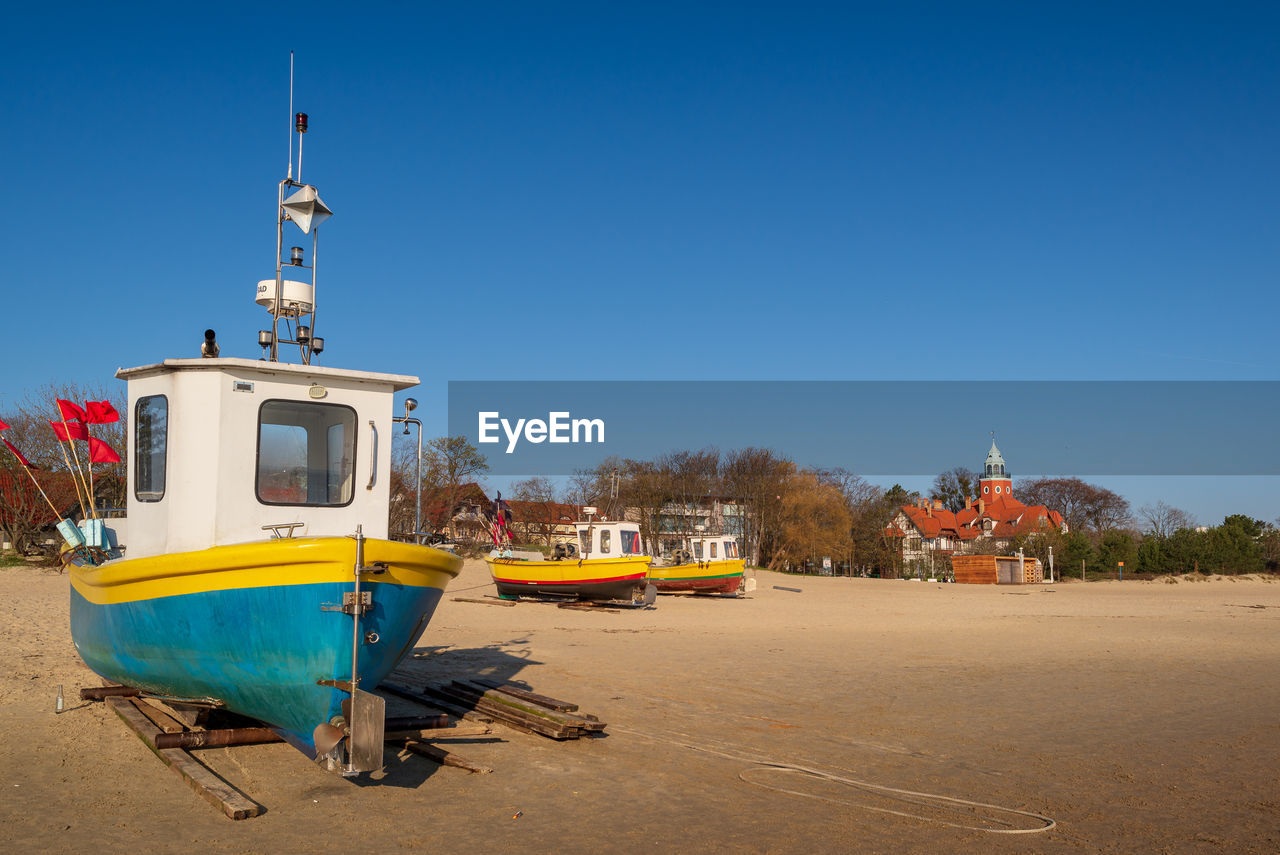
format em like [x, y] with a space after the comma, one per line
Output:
[609, 539]
[702, 547]
[715, 547]
[235, 450]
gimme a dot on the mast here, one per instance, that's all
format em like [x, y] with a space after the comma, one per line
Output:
[291, 300]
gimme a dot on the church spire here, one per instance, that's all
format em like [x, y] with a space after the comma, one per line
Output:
[996, 482]
[995, 463]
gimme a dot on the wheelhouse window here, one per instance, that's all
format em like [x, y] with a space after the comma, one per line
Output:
[584, 538]
[150, 447]
[306, 453]
[606, 537]
[697, 550]
[713, 549]
[630, 542]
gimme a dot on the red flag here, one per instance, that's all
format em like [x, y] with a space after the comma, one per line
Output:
[18, 454]
[100, 452]
[70, 411]
[69, 431]
[100, 413]
[3, 426]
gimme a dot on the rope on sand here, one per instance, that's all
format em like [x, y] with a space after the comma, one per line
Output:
[762, 764]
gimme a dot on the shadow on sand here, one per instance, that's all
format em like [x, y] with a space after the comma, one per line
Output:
[501, 662]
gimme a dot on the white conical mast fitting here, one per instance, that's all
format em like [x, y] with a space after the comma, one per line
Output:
[291, 300]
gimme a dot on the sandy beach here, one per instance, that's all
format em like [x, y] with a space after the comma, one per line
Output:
[1136, 716]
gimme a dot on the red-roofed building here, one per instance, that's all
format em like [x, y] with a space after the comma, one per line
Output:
[992, 518]
[544, 522]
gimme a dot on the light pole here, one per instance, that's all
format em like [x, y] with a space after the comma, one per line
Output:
[410, 404]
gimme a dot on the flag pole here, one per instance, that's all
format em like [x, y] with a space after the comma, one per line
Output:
[70, 470]
[93, 496]
[21, 463]
[76, 455]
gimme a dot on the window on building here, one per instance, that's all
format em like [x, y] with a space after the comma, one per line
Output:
[150, 447]
[306, 454]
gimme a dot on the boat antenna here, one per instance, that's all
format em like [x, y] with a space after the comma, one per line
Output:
[290, 170]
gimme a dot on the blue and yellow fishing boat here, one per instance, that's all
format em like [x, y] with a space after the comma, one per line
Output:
[253, 571]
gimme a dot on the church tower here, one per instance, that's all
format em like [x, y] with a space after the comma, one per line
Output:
[996, 482]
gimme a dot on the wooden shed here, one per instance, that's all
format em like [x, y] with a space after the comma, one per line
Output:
[997, 570]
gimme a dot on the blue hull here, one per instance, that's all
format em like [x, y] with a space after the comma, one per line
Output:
[261, 651]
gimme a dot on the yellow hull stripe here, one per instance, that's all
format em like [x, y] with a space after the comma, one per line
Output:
[700, 570]
[287, 561]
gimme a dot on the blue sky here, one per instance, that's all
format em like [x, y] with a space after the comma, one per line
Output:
[597, 191]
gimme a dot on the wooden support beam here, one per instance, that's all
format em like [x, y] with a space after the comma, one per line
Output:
[158, 716]
[199, 777]
[217, 738]
[97, 693]
[510, 711]
[442, 702]
[417, 722]
[459, 731]
[542, 700]
[445, 758]
[192, 715]
[589, 607]
[503, 696]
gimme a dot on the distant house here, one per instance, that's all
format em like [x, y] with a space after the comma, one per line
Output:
[678, 522]
[993, 518]
[544, 522]
[462, 513]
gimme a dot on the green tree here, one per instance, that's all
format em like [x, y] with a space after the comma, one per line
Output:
[1116, 546]
[953, 487]
[1234, 546]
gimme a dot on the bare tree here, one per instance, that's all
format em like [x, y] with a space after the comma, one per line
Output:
[758, 477]
[954, 486]
[853, 487]
[690, 479]
[579, 488]
[537, 514]
[450, 464]
[1163, 520]
[535, 489]
[1084, 506]
[66, 472]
